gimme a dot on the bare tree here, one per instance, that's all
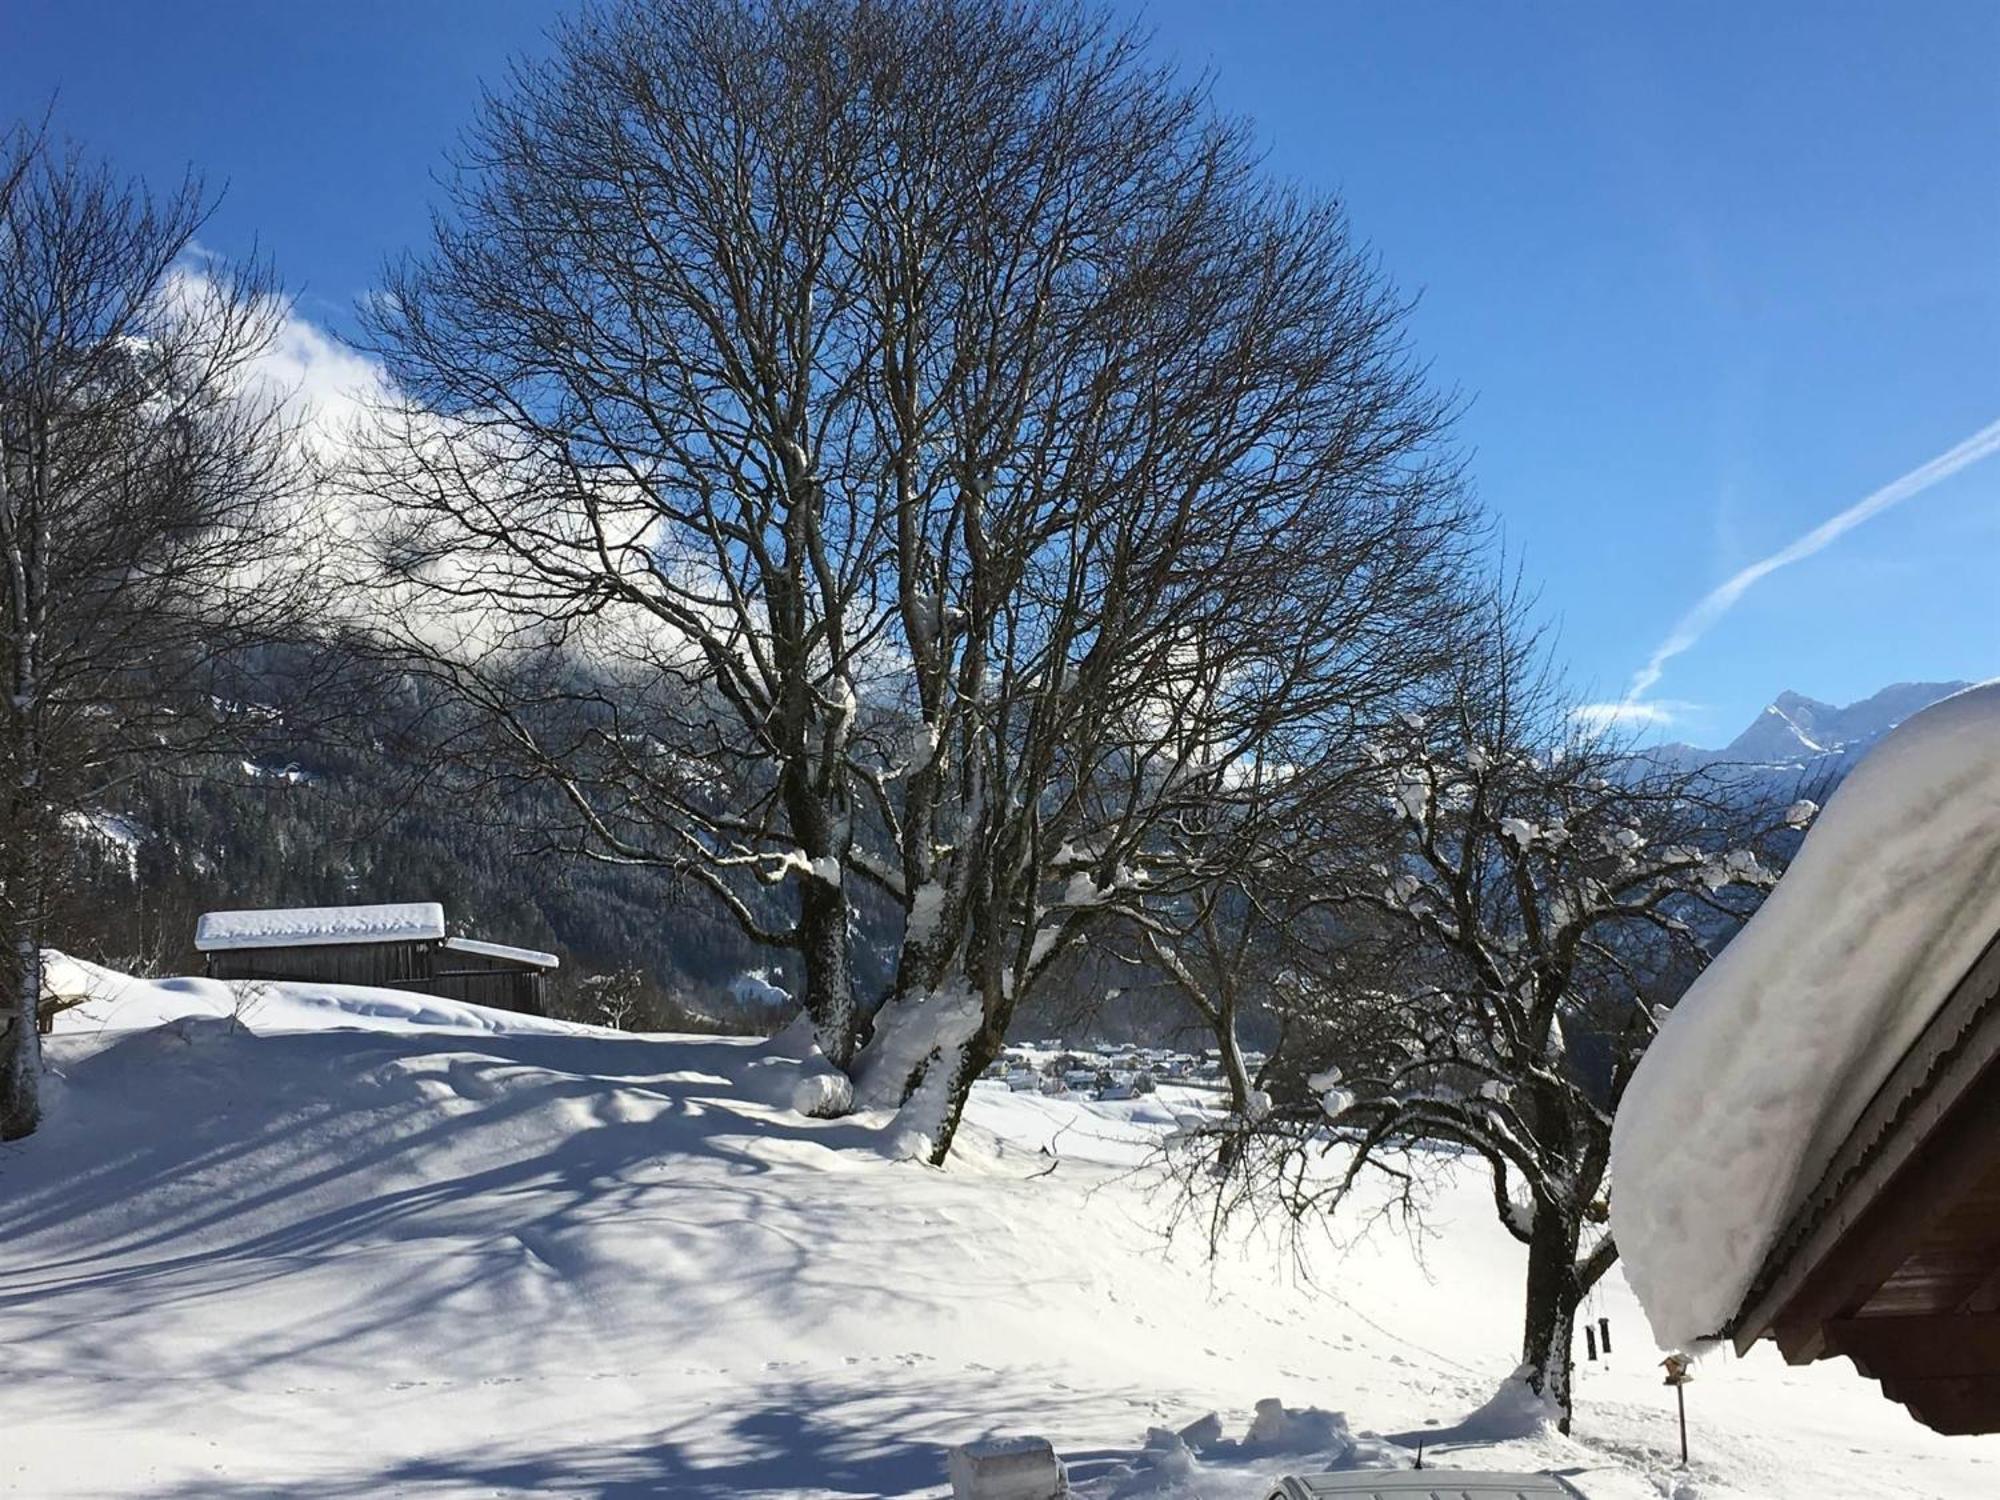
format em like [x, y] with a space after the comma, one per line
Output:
[953, 458]
[1222, 935]
[1546, 890]
[142, 472]
[641, 327]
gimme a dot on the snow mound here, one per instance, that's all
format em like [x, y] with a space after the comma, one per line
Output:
[111, 1001]
[823, 1092]
[1197, 1461]
[1762, 1070]
[1515, 1411]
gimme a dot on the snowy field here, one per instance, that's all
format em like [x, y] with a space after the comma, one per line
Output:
[355, 1243]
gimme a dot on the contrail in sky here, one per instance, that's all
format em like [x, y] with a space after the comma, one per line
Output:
[1693, 625]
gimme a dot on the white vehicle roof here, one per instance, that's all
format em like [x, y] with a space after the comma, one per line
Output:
[311, 926]
[1430, 1484]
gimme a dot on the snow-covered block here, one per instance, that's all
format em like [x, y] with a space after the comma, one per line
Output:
[823, 1091]
[1016, 1468]
[310, 926]
[1203, 1432]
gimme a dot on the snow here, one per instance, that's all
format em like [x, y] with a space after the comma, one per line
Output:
[823, 867]
[355, 1243]
[821, 1091]
[923, 746]
[759, 987]
[290, 775]
[117, 1002]
[400, 922]
[926, 909]
[500, 950]
[1412, 795]
[110, 830]
[1760, 1072]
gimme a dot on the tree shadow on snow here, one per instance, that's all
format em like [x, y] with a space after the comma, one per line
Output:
[791, 1438]
[255, 1158]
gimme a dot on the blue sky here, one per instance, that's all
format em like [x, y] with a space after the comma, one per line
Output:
[1708, 273]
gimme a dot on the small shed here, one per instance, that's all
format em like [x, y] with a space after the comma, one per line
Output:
[397, 946]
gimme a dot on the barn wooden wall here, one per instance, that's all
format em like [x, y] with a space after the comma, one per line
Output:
[425, 968]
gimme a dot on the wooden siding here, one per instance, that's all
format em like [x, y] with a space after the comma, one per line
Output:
[517, 989]
[391, 964]
[424, 967]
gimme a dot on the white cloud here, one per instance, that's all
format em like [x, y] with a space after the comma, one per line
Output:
[331, 385]
[1599, 717]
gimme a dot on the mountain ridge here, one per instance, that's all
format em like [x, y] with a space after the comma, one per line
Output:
[1795, 732]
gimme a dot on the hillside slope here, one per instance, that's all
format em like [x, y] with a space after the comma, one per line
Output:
[346, 1246]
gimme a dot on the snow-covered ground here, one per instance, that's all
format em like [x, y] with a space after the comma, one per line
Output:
[356, 1243]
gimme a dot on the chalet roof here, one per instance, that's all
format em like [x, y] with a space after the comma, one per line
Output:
[1948, 1060]
[1894, 1259]
[1761, 1076]
[316, 926]
[533, 957]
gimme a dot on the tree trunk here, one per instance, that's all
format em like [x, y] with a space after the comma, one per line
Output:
[1230, 1147]
[1233, 1067]
[829, 978]
[818, 817]
[20, 1042]
[986, 1044]
[1554, 1294]
[21, 880]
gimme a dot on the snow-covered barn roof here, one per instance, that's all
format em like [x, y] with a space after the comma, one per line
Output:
[1762, 1075]
[313, 926]
[531, 956]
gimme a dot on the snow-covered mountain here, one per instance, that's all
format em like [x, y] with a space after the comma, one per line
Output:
[1795, 733]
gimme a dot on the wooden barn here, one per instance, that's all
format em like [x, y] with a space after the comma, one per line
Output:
[401, 946]
[1894, 1258]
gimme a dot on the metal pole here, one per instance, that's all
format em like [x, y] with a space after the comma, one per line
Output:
[1681, 1400]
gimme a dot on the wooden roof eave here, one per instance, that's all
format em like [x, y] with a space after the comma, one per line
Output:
[1834, 1244]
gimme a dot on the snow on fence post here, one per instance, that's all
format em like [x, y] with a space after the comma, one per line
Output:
[1020, 1468]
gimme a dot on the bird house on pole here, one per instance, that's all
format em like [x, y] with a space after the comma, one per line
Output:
[1678, 1375]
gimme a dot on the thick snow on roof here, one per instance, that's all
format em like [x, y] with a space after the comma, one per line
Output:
[1760, 1073]
[533, 956]
[401, 922]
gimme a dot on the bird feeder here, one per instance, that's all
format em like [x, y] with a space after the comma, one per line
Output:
[1678, 1375]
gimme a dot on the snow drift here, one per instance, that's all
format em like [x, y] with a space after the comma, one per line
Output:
[1761, 1071]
